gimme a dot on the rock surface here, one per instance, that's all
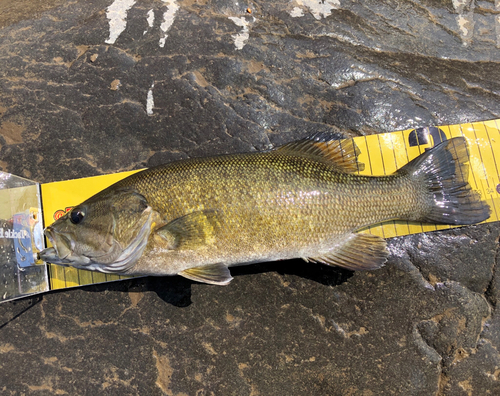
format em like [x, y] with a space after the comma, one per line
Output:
[93, 87]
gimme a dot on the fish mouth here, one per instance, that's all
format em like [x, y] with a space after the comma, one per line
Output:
[61, 243]
[49, 255]
[61, 252]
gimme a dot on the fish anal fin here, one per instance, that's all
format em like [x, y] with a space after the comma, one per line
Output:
[191, 231]
[357, 252]
[214, 274]
[342, 154]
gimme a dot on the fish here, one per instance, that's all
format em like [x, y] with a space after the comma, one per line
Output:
[306, 199]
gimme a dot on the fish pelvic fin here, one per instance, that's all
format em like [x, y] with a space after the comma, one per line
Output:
[440, 175]
[342, 154]
[356, 252]
[192, 231]
[214, 274]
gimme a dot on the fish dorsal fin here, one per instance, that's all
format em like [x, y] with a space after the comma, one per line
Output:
[338, 152]
[191, 231]
[214, 274]
[356, 252]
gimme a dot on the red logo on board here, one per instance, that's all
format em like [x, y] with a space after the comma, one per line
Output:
[60, 213]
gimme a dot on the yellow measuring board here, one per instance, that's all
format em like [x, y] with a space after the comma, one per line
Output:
[382, 154]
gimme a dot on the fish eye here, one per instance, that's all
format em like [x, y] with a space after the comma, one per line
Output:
[76, 216]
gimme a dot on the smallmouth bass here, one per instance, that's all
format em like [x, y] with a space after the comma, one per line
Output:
[197, 217]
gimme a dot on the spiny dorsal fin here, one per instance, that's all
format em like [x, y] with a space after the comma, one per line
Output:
[214, 274]
[356, 252]
[190, 231]
[341, 153]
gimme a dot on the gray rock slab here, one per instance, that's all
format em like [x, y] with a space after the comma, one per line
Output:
[95, 87]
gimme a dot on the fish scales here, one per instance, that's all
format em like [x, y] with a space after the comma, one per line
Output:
[199, 216]
[271, 206]
[259, 191]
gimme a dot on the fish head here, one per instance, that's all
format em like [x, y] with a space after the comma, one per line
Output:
[106, 233]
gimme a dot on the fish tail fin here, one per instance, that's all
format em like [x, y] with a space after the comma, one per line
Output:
[441, 174]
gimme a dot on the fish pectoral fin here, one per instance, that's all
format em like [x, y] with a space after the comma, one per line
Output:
[356, 252]
[340, 153]
[191, 231]
[214, 274]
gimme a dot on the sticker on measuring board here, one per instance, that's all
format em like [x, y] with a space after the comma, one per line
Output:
[21, 238]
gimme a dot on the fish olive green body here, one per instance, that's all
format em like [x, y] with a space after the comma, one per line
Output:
[197, 217]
